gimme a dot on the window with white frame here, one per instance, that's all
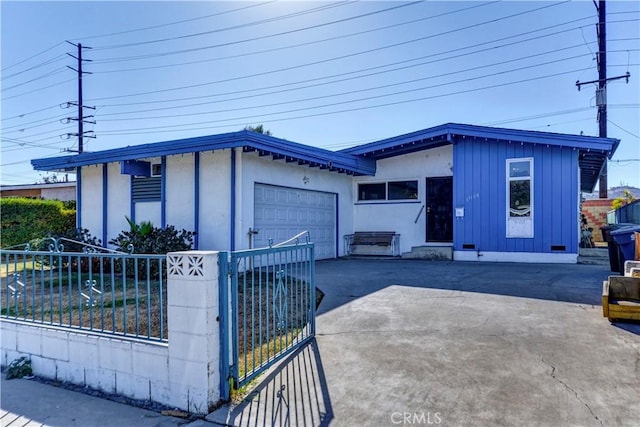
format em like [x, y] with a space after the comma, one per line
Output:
[388, 191]
[519, 204]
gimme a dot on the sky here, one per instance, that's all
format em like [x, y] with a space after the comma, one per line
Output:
[326, 74]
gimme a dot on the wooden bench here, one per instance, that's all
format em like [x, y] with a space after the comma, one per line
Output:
[621, 295]
[372, 243]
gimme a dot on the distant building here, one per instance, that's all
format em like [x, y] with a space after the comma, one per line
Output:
[64, 191]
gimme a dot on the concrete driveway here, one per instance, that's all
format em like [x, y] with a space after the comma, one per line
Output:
[460, 344]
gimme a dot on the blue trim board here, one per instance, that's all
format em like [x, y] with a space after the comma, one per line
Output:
[337, 225]
[132, 204]
[105, 212]
[79, 197]
[196, 198]
[249, 141]
[232, 201]
[163, 192]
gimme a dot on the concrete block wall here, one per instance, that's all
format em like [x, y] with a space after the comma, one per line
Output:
[183, 373]
[119, 366]
[596, 213]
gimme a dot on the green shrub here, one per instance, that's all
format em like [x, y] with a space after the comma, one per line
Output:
[147, 239]
[23, 220]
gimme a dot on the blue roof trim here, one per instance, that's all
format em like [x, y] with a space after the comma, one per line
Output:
[250, 141]
[448, 133]
[592, 151]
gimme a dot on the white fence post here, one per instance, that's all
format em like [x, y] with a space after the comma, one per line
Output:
[194, 333]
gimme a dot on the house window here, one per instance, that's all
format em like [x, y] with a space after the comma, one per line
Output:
[519, 197]
[156, 169]
[372, 191]
[392, 190]
[403, 190]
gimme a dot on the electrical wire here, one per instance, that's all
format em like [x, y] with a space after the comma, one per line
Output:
[294, 67]
[623, 129]
[251, 24]
[49, 74]
[260, 118]
[252, 90]
[131, 58]
[42, 64]
[32, 56]
[271, 50]
[5, 98]
[343, 93]
[153, 27]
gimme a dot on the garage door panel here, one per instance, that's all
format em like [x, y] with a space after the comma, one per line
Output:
[280, 213]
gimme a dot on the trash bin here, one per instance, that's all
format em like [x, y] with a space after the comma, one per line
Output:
[614, 259]
[626, 240]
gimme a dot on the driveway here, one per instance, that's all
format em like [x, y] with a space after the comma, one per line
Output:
[451, 343]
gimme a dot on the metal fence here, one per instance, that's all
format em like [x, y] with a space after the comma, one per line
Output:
[273, 303]
[108, 292]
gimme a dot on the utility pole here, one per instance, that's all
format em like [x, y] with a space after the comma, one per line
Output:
[81, 119]
[601, 91]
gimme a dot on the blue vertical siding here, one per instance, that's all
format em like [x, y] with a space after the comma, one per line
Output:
[480, 187]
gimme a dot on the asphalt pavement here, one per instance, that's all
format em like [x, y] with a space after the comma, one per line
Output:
[419, 343]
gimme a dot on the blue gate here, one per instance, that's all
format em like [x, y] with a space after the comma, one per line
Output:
[271, 310]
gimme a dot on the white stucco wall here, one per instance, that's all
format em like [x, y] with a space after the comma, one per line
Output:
[118, 200]
[401, 216]
[180, 185]
[149, 211]
[91, 208]
[215, 177]
[255, 169]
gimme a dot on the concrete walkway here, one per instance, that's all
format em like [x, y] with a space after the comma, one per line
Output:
[414, 342]
[426, 343]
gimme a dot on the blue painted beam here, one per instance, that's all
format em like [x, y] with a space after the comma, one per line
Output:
[135, 168]
[105, 194]
[163, 192]
[78, 197]
[232, 215]
[196, 198]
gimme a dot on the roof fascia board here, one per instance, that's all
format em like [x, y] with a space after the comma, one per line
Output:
[257, 141]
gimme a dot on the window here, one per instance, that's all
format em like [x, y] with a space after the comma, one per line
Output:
[156, 169]
[392, 190]
[372, 191]
[520, 197]
[403, 190]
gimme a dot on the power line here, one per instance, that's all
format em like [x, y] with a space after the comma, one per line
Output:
[251, 24]
[49, 74]
[19, 116]
[404, 82]
[368, 51]
[42, 64]
[371, 68]
[324, 60]
[623, 129]
[153, 27]
[37, 90]
[32, 56]
[99, 62]
[261, 117]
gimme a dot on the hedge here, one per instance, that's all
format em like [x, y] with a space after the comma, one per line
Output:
[25, 219]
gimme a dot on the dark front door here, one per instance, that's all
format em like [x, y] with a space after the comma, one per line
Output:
[440, 209]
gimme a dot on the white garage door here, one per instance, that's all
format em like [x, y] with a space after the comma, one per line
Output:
[280, 213]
